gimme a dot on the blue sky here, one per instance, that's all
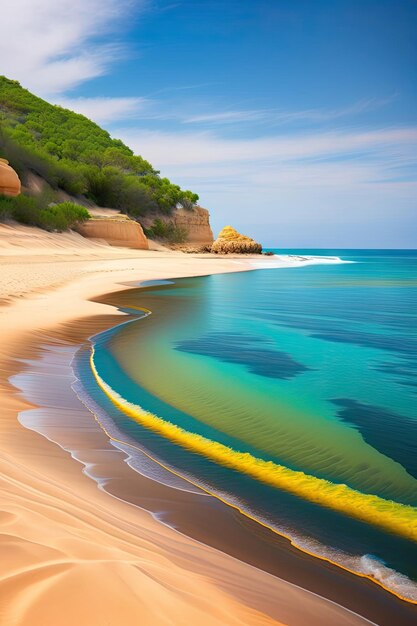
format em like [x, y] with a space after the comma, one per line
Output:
[295, 120]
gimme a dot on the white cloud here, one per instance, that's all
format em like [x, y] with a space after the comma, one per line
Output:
[325, 115]
[189, 149]
[51, 46]
[103, 110]
[278, 116]
[226, 117]
[325, 189]
[360, 182]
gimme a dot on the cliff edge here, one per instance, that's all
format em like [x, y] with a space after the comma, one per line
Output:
[117, 231]
[196, 222]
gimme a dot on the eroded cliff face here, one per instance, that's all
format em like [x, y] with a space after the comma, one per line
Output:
[117, 231]
[196, 222]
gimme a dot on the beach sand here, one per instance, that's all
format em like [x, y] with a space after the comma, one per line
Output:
[70, 552]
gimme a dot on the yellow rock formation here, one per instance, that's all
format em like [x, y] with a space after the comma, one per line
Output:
[117, 231]
[9, 180]
[230, 241]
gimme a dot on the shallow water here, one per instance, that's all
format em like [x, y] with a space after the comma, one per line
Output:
[288, 392]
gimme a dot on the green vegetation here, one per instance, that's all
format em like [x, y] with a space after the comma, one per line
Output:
[29, 210]
[72, 153]
[167, 231]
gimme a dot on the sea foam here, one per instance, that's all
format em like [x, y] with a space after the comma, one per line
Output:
[290, 260]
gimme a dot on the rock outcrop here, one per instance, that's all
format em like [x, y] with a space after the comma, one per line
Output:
[196, 222]
[117, 231]
[9, 180]
[230, 241]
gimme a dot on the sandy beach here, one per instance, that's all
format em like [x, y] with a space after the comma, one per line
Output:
[72, 553]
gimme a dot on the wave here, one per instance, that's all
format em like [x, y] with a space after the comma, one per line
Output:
[398, 518]
[366, 565]
[295, 260]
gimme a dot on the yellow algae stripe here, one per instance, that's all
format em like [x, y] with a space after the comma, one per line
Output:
[392, 516]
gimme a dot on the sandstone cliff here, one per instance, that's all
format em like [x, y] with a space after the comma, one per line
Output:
[117, 231]
[197, 224]
[9, 180]
[230, 241]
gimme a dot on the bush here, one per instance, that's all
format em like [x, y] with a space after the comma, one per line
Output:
[167, 231]
[23, 209]
[28, 210]
[62, 216]
[5, 208]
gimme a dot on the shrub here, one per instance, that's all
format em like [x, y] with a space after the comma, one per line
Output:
[4, 213]
[167, 231]
[5, 208]
[24, 209]
[28, 210]
[62, 216]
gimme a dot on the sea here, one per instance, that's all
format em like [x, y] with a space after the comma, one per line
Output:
[289, 393]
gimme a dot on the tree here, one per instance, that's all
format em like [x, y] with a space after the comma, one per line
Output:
[74, 154]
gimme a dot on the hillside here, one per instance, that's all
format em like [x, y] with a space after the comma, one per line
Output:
[73, 154]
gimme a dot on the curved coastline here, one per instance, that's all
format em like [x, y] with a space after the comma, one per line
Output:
[263, 471]
[48, 421]
[321, 584]
[343, 588]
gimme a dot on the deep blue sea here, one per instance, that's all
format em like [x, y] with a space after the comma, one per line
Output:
[291, 393]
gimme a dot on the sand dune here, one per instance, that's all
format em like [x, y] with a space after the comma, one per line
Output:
[70, 553]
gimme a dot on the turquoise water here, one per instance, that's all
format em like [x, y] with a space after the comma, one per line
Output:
[290, 393]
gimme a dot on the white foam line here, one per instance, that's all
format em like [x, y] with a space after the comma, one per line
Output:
[289, 260]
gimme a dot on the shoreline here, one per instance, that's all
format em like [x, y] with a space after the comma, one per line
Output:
[46, 480]
[132, 488]
[179, 522]
[265, 549]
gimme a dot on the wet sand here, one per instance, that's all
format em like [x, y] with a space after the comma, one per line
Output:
[199, 516]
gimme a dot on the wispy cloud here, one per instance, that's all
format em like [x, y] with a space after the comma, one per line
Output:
[188, 149]
[277, 116]
[104, 110]
[226, 117]
[348, 180]
[52, 46]
[246, 161]
[324, 115]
